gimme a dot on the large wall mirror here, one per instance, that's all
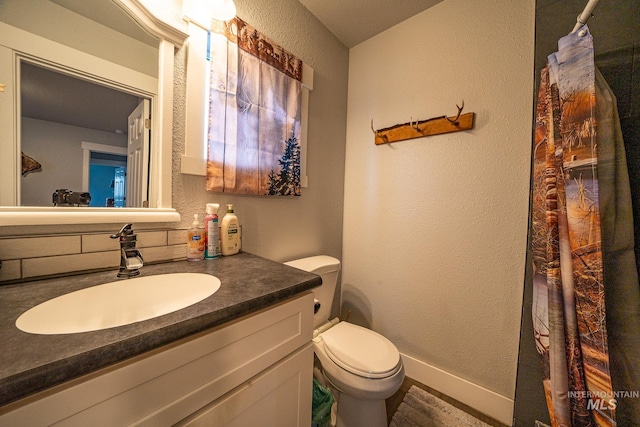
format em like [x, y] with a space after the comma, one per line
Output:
[86, 102]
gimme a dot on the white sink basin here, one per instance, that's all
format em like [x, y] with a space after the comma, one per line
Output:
[117, 303]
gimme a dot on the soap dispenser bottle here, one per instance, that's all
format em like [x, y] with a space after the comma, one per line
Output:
[230, 233]
[195, 244]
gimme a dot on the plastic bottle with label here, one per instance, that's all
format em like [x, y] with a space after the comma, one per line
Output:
[230, 233]
[195, 243]
[212, 232]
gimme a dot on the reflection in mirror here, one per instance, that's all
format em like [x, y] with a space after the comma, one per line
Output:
[62, 118]
[116, 44]
[107, 180]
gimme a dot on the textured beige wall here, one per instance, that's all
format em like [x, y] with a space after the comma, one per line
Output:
[435, 229]
[285, 228]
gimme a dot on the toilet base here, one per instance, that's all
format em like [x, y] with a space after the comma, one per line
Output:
[353, 412]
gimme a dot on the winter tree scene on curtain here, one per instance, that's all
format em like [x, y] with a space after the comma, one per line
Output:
[286, 181]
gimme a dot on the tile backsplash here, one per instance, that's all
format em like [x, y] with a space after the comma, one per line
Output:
[29, 257]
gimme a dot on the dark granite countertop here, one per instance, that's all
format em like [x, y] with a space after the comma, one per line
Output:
[30, 363]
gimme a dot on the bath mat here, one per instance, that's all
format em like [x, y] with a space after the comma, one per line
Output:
[422, 409]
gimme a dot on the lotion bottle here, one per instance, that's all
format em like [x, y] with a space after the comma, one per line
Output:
[212, 232]
[195, 244]
[230, 233]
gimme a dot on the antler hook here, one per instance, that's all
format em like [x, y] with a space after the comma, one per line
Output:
[455, 121]
[377, 134]
[414, 126]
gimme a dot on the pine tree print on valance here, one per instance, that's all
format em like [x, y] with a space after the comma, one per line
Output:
[254, 114]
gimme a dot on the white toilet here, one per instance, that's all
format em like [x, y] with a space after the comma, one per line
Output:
[361, 364]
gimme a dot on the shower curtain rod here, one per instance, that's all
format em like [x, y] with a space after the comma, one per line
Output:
[585, 15]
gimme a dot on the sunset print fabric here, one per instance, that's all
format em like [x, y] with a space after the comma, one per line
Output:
[569, 315]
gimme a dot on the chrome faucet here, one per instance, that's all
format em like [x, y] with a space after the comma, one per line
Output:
[130, 258]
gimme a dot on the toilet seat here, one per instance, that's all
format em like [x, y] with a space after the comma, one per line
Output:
[361, 351]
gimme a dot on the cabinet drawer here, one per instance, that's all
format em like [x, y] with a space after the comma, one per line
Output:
[166, 385]
[280, 396]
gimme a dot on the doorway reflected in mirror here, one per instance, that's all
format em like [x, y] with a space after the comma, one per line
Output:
[107, 180]
[78, 130]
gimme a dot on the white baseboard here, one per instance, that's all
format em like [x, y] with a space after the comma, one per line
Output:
[479, 398]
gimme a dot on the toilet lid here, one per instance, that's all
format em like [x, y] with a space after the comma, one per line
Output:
[361, 351]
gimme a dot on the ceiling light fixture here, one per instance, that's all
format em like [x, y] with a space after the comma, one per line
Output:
[223, 10]
[201, 12]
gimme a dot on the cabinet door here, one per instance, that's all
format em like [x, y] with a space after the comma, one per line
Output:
[280, 397]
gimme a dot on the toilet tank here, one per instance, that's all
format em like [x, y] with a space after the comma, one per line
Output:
[327, 268]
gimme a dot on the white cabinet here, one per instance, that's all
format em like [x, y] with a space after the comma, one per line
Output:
[277, 397]
[256, 370]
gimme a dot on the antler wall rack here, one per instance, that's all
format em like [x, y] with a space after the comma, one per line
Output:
[428, 127]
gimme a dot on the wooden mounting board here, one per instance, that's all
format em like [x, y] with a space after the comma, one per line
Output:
[428, 127]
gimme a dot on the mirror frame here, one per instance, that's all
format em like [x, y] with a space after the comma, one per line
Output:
[169, 37]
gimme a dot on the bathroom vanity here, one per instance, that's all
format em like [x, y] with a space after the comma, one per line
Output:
[240, 357]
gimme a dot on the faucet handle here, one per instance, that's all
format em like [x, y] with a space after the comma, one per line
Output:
[127, 230]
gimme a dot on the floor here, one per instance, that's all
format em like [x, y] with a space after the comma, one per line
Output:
[394, 401]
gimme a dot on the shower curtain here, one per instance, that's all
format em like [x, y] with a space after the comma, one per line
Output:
[586, 301]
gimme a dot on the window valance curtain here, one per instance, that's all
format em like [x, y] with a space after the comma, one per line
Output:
[254, 114]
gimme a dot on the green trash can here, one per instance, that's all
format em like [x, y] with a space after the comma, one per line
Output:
[321, 405]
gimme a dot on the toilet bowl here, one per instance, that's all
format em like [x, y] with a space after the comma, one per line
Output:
[363, 366]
